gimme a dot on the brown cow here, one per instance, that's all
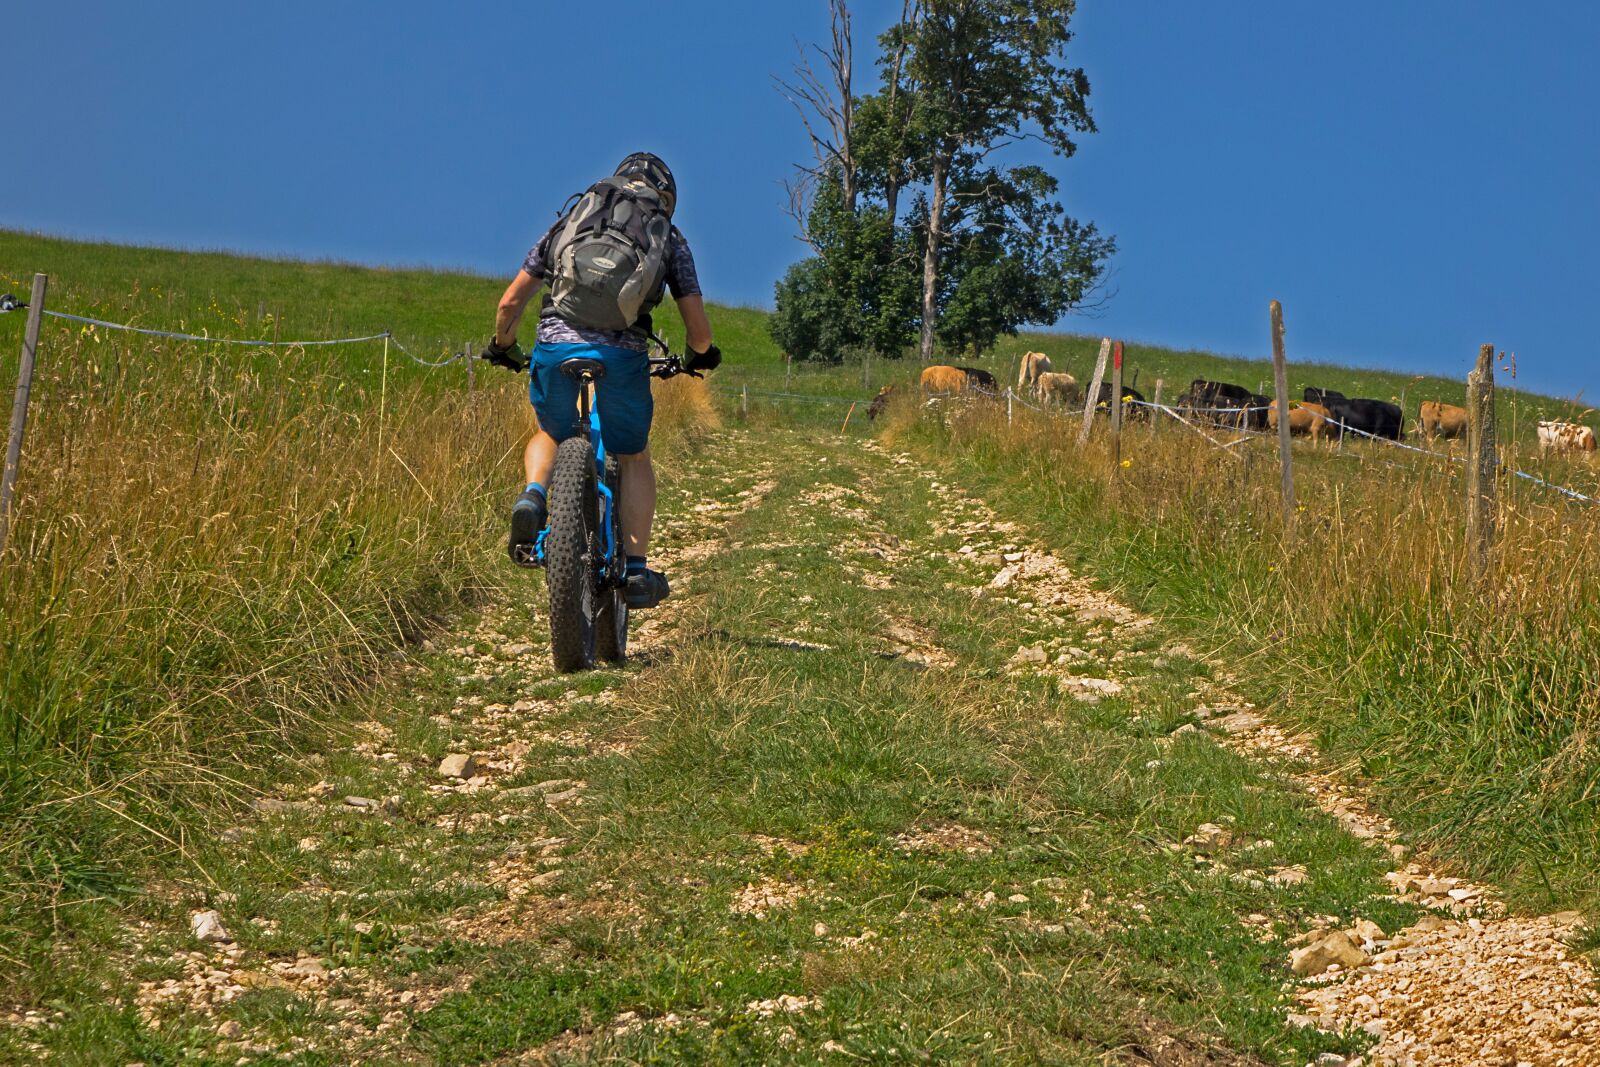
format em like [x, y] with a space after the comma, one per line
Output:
[1057, 387]
[1304, 419]
[1033, 365]
[1442, 420]
[942, 380]
[880, 402]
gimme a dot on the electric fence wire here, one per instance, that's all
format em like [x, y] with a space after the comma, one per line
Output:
[242, 342]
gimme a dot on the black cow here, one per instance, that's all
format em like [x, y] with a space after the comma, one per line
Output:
[1376, 417]
[980, 380]
[1129, 411]
[1224, 404]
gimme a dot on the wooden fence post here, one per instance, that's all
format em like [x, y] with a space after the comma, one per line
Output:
[1008, 405]
[744, 401]
[19, 406]
[1482, 461]
[1157, 401]
[788, 362]
[1280, 386]
[1094, 390]
[1116, 408]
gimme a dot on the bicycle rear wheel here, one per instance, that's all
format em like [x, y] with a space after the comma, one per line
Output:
[611, 620]
[572, 554]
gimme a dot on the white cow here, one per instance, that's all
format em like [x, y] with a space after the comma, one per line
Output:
[1565, 437]
[1033, 365]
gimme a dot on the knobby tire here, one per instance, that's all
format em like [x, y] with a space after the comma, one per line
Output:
[572, 548]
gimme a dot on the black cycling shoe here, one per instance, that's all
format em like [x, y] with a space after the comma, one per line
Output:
[527, 519]
[645, 590]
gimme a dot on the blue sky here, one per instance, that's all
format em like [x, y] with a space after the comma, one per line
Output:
[1410, 179]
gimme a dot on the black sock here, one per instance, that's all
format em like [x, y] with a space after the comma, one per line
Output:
[636, 565]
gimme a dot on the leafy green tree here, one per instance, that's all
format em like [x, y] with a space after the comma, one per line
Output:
[982, 249]
[989, 73]
[1014, 257]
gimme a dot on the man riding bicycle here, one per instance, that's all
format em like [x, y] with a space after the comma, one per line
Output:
[607, 260]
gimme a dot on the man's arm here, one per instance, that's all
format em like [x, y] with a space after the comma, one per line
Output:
[515, 301]
[695, 323]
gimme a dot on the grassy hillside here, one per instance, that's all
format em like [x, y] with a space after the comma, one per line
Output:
[213, 547]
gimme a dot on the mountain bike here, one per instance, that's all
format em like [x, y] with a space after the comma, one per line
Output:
[581, 547]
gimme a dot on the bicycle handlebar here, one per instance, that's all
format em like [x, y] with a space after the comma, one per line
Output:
[670, 366]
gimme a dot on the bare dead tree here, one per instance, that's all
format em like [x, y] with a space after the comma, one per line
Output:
[826, 106]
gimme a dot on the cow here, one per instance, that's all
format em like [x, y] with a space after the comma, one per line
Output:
[880, 402]
[1564, 437]
[1223, 404]
[1132, 410]
[981, 380]
[943, 380]
[1057, 387]
[1376, 417]
[1033, 365]
[1313, 395]
[1442, 420]
[1304, 419]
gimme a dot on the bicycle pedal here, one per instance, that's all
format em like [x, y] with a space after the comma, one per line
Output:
[525, 556]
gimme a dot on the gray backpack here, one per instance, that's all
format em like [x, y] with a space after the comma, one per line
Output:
[607, 259]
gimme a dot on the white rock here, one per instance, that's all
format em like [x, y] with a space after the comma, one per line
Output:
[207, 926]
[458, 765]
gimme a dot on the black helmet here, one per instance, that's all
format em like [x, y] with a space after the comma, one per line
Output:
[653, 170]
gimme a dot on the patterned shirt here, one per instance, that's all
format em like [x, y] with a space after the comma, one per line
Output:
[682, 281]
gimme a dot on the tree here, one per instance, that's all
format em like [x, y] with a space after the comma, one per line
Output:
[1015, 257]
[982, 249]
[826, 105]
[989, 73]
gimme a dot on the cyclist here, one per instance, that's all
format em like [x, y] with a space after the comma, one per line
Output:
[623, 398]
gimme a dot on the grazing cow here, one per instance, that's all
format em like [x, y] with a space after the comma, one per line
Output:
[1058, 388]
[1565, 437]
[1442, 420]
[1305, 420]
[1033, 365]
[1376, 417]
[1223, 404]
[981, 380]
[880, 402]
[943, 380]
[1129, 411]
[1313, 395]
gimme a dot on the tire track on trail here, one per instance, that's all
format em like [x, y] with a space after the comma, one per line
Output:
[1468, 984]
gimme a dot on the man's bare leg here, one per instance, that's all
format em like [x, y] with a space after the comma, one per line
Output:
[539, 458]
[638, 501]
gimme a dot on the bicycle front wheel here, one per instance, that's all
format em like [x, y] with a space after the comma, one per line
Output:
[572, 555]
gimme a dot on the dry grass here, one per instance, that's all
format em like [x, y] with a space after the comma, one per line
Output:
[211, 550]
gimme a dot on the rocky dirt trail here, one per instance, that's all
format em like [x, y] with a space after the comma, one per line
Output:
[394, 884]
[1468, 984]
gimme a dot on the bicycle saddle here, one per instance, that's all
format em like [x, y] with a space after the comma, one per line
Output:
[579, 369]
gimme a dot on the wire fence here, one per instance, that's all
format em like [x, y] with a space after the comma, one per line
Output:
[175, 335]
[1010, 395]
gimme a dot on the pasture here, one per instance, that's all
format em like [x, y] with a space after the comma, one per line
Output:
[228, 565]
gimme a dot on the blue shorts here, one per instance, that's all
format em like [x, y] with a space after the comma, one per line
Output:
[622, 397]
